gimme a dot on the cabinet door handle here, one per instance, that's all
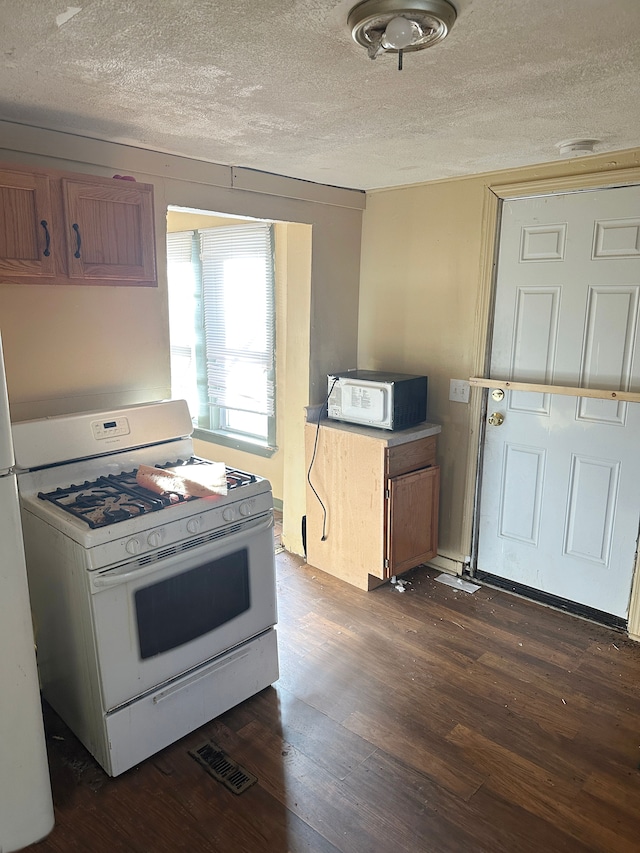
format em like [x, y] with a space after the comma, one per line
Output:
[76, 228]
[47, 237]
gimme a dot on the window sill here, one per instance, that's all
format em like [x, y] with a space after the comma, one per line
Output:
[226, 440]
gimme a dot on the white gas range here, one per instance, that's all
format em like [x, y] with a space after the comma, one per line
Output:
[154, 613]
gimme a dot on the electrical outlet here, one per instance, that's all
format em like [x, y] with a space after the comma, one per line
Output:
[459, 390]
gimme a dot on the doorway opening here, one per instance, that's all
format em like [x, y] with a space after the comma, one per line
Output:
[246, 376]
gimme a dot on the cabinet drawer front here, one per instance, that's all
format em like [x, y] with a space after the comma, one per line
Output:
[410, 456]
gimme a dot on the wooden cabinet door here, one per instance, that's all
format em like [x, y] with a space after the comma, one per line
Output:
[26, 248]
[109, 231]
[412, 519]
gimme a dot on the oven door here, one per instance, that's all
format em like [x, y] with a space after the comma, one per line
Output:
[157, 620]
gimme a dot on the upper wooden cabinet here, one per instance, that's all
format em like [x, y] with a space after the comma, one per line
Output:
[63, 228]
[26, 215]
[109, 230]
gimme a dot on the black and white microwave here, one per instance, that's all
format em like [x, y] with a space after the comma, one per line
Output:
[375, 398]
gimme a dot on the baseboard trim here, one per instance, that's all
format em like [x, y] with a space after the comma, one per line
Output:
[446, 564]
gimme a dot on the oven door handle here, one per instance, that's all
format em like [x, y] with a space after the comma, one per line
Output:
[110, 580]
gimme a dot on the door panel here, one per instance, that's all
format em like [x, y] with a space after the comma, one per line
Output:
[593, 490]
[560, 499]
[609, 345]
[520, 498]
[534, 345]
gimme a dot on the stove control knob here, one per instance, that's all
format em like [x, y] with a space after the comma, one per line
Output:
[132, 546]
[227, 513]
[193, 525]
[245, 509]
[154, 538]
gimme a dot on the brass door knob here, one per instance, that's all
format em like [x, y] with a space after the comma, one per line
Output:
[496, 419]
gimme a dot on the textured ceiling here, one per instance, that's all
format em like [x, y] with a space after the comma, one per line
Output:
[279, 85]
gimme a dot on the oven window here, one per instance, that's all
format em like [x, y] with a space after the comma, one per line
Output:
[186, 606]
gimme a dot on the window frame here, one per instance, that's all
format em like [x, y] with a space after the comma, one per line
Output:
[208, 411]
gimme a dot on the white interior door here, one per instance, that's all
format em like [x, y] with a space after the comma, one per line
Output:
[560, 489]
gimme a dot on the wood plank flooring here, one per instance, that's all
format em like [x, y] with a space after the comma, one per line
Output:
[431, 721]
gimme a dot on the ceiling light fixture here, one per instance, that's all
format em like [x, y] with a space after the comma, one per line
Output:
[398, 26]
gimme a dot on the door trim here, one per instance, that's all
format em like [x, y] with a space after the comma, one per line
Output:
[495, 194]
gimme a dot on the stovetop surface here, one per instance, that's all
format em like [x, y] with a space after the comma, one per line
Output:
[84, 465]
[118, 497]
[112, 541]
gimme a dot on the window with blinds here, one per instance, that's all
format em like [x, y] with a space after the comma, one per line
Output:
[222, 324]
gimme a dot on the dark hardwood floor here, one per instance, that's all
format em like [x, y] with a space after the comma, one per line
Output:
[427, 721]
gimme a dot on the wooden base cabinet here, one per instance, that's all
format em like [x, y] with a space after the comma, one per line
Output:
[380, 492]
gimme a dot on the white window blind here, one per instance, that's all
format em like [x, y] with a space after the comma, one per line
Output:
[222, 326]
[179, 247]
[239, 318]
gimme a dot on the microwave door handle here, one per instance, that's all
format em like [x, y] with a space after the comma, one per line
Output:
[111, 580]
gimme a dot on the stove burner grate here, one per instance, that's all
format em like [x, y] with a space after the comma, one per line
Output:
[113, 498]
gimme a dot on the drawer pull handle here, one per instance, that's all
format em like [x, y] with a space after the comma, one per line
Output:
[76, 228]
[188, 682]
[47, 236]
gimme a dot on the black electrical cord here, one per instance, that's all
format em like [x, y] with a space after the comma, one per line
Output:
[313, 458]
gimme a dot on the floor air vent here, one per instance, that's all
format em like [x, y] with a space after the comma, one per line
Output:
[221, 767]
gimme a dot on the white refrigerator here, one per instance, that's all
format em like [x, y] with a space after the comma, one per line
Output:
[26, 808]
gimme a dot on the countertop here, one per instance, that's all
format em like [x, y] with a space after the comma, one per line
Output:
[390, 437]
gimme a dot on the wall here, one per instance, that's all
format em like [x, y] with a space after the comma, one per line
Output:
[294, 338]
[75, 348]
[422, 263]
[420, 269]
